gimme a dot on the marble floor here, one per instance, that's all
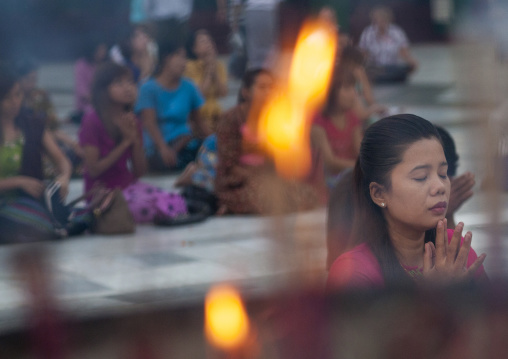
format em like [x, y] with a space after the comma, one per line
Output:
[94, 275]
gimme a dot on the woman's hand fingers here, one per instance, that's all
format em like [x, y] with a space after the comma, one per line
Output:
[454, 246]
[440, 243]
[461, 261]
[477, 263]
[445, 235]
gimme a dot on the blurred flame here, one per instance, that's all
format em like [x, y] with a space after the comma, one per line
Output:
[226, 322]
[313, 62]
[284, 124]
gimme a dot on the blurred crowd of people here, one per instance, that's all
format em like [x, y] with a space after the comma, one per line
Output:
[150, 103]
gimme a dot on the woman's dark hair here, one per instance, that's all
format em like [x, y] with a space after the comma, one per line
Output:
[343, 77]
[125, 43]
[167, 48]
[351, 55]
[382, 148]
[90, 47]
[8, 79]
[104, 76]
[452, 157]
[248, 80]
[339, 221]
[191, 42]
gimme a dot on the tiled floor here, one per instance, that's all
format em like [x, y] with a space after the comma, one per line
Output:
[99, 274]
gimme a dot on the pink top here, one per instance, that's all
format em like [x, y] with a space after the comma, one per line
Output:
[359, 268]
[341, 140]
[83, 77]
[250, 140]
[93, 133]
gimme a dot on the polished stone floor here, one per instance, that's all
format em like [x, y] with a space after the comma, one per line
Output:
[457, 87]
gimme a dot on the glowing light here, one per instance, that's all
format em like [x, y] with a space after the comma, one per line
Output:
[227, 324]
[284, 123]
[313, 61]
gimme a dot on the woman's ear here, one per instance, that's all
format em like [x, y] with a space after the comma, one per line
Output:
[378, 194]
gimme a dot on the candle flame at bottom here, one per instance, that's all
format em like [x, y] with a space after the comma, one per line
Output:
[227, 324]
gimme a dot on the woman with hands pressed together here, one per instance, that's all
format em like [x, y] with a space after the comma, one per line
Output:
[111, 138]
[23, 139]
[401, 194]
[209, 73]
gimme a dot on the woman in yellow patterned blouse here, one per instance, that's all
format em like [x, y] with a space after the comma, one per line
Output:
[23, 139]
[209, 74]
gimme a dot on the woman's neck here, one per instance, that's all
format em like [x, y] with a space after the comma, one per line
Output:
[409, 246]
[138, 56]
[114, 111]
[337, 117]
[169, 80]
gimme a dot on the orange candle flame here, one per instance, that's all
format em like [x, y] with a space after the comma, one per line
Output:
[226, 322]
[284, 124]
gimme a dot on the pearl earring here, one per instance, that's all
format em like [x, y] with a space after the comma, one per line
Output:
[382, 204]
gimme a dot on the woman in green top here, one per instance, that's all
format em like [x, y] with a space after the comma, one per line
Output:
[23, 139]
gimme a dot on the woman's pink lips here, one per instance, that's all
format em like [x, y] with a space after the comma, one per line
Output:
[439, 205]
[439, 208]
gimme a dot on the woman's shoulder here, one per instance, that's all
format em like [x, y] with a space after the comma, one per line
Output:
[356, 268]
[320, 120]
[188, 84]
[91, 120]
[193, 64]
[353, 119]
[234, 112]
[90, 114]
[150, 85]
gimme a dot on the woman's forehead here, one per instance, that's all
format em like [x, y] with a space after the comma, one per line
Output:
[424, 151]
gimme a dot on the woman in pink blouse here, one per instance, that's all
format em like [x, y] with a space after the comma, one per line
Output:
[401, 193]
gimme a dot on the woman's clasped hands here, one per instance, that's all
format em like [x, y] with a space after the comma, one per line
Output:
[447, 262]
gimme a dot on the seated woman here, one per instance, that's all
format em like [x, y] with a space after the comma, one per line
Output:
[340, 206]
[198, 178]
[209, 74]
[401, 194]
[168, 106]
[138, 52]
[39, 102]
[353, 60]
[23, 140]
[336, 133]
[94, 53]
[246, 181]
[111, 138]
[387, 49]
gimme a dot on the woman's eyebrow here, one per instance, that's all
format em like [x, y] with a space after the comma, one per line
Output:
[426, 167]
[422, 167]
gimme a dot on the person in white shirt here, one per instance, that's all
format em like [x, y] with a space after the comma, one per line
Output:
[261, 29]
[386, 47]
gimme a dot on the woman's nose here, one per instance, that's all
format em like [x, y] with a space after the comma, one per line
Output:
[438, 185]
